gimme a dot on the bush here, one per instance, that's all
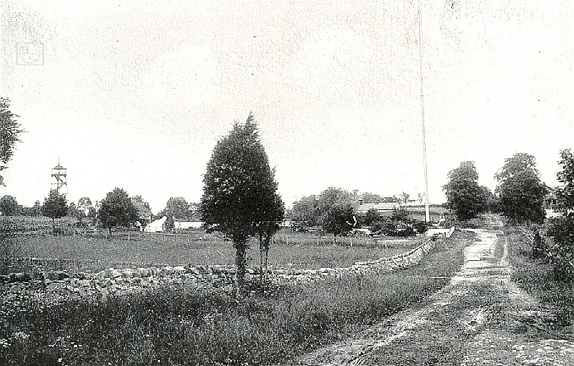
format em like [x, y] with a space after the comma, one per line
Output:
[561, 253]
[538, 246]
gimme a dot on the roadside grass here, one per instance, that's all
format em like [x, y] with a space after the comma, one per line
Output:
[184, 326]
[536, 277]
[290, 250]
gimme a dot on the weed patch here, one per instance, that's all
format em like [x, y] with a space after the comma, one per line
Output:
[537, 278]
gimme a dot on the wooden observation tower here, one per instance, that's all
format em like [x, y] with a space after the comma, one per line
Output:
[60, 179]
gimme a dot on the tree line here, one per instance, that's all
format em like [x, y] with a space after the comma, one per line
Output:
[520, 197]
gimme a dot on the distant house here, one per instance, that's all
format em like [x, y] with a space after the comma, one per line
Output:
[552, 205]
[381, 208]
[156, 226]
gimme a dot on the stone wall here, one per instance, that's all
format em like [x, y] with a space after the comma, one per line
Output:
[59, 286]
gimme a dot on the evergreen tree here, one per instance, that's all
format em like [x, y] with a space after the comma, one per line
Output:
[240, 196]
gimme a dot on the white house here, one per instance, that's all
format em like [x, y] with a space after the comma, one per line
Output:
[156, 226]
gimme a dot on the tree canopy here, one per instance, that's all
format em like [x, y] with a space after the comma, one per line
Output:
[305, 212]
[239, 191]
[55, 207]
[520, 191]
[9, 205]
[117, 210]
[177, 208]
[143, 209]
[561, 229]
[10, 131]
[565, 193]
[464, 195]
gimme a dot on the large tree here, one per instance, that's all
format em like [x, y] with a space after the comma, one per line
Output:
[143, 210]
[464, 196]
[339, 220]
[117, 210]
[520, 190]
[55, 207]
[10, 130]
[9, 205]
[305, 212]
[239, 190]
[177, 208]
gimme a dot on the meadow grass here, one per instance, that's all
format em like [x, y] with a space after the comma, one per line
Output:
[184, 326]
[288, 250]
[537, 278]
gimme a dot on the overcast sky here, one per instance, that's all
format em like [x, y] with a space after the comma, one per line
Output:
[135, 94]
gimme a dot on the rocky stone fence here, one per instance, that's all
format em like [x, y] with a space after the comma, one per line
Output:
[60, 285]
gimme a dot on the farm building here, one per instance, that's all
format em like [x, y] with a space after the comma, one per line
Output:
[156, 226]
[382, 208]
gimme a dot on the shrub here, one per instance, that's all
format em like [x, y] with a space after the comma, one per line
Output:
[561, 253]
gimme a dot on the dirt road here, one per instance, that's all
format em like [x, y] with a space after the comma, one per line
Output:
[480, 318]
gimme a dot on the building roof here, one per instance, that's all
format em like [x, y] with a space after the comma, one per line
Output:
[384, 206]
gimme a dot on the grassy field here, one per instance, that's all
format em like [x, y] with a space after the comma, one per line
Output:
[289, 250]
[211, 327]
[536, 277]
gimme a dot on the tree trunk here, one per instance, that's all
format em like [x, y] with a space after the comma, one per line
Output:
[110, 232]
[53, 226]
[260, 257]
[241, 264]
[266, 261]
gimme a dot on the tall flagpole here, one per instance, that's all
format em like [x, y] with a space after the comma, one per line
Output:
[427, 211]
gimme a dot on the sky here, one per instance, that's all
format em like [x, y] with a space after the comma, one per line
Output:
[135, 94]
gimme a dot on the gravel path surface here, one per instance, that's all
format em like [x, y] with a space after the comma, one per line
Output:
[480, 318]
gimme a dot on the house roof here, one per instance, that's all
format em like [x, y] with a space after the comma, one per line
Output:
[384, 206]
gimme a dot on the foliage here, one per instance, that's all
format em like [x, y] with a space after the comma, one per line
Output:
[338, 219]
[565, 193]
[371, 216]
[35, 210]
[520, 190]
[561, 254]
[539, 249]
[177, 208]
[464, 196]
[55, 207]
[9, 205]
[116, 210]
[305, 212]
[561, 229]
[539, 278]
[270, 219]
[335, 210]
[398, 224]
[143, 209]
[10, 130]
[239, 189]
